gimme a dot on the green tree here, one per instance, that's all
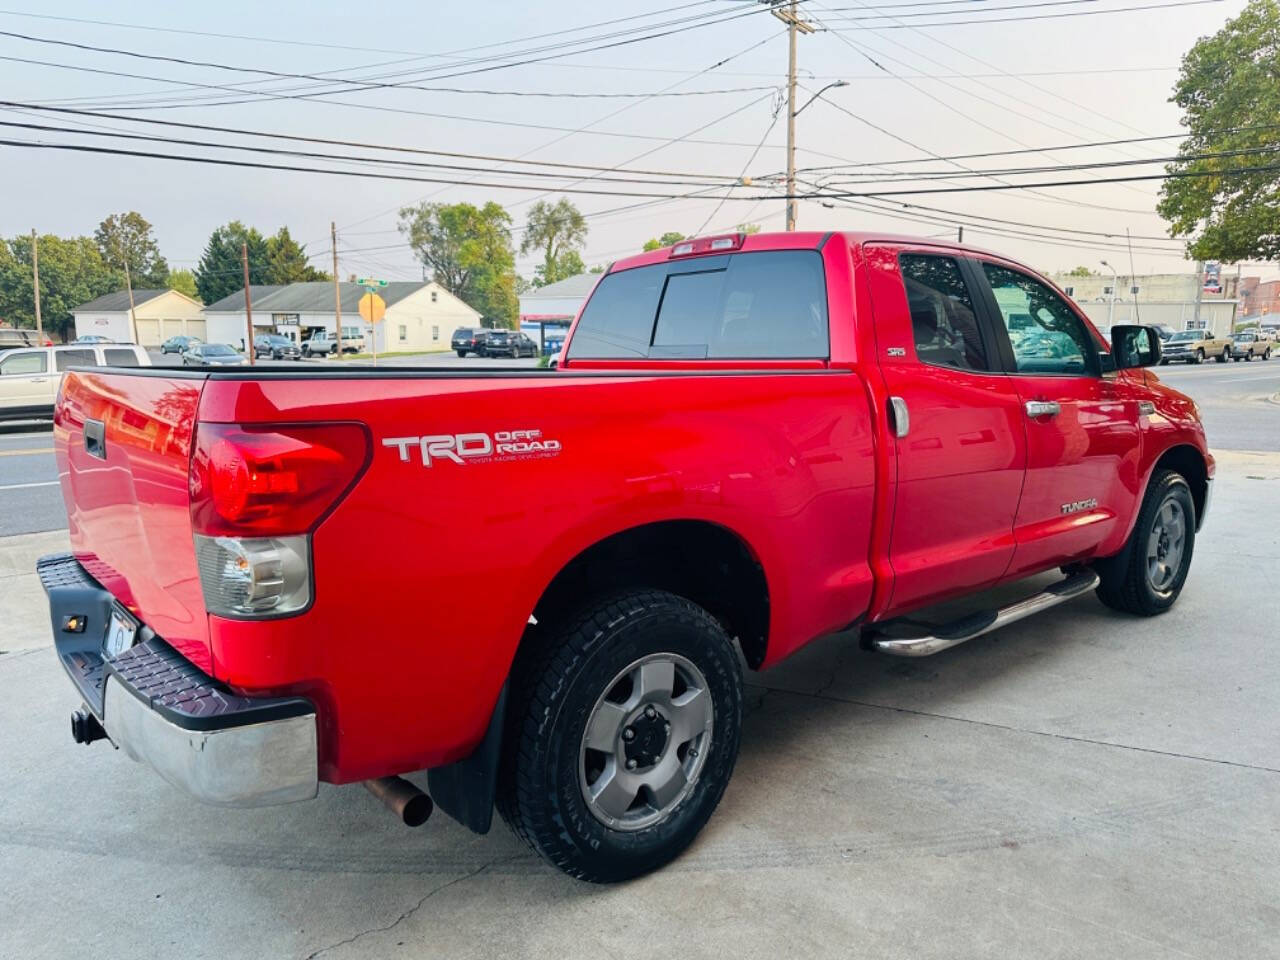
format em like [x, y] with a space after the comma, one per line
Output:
[468, 251]
[559, 231]
[184, 281]
[1229, 92]
[287, 261]
[666, 240]
[72, 272]
[219, 272]
[1080, 272]
[748, 228]
[127, 237]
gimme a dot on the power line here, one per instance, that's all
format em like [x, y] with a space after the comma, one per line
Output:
[816, 195]
[1041, 16]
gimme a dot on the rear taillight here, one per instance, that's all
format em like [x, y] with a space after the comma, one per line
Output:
[257, 493]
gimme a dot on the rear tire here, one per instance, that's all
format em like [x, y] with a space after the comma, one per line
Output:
[1146, 577]
[590, 698]
[462, 354]
[1224, 356]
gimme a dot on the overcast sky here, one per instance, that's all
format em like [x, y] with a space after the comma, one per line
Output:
[940, 90]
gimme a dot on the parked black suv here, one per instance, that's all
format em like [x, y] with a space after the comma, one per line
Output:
[469, 340]
[275, 346]
[509, 343]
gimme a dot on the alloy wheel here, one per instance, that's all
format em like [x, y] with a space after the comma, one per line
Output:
[1165, 545]
[645, 742]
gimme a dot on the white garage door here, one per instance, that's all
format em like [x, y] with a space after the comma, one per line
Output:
[149, 333]
[195, 328]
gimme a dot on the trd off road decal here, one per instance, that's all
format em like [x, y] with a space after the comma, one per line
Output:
[464, 448]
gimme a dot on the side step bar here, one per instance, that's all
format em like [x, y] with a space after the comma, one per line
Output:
[907, 638]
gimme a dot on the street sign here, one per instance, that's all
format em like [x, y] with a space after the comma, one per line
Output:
[371, 282]
[372, 307]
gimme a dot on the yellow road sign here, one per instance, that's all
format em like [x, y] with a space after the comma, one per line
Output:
[372, 307]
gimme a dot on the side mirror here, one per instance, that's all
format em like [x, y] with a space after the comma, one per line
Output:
[1135, 346]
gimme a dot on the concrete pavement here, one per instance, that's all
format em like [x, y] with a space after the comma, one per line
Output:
[1081, 784]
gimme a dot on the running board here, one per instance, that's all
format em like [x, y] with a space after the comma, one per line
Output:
[907, 638]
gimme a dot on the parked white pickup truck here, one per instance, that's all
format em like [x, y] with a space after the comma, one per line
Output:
[324, 342]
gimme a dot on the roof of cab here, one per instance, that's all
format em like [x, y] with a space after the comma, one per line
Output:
[802, 240]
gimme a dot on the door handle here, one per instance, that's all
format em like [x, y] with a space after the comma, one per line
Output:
[899, 416]
[1042, 408]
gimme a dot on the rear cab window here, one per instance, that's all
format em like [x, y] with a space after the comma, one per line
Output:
[759, 305]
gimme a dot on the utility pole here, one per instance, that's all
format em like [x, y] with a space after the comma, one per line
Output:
[35, 276]
[128, 285]
[959, 234]
[337, 290]
[248, 305]
[788, 14]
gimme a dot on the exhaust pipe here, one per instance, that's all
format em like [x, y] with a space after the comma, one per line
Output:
[402, 798]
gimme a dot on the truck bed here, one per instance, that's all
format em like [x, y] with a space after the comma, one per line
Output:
[443, 563]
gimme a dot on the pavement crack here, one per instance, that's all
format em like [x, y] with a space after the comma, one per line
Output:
[1028, 731]
[412, 910]
[7, 655]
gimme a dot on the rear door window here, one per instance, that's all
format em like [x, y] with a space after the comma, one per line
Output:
[62, 359]
[771, 304]
[943, 321]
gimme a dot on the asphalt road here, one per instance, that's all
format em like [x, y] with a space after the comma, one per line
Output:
[1077, 785]
[1235, 400]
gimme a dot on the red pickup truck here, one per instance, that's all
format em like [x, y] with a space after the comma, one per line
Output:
[751, 442]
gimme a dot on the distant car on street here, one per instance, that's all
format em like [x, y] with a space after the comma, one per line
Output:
[1196, 346]
[212, 355]
[275, 346]
[12, 338]
[324, 343]
[1164, 331]
[1246, 345]
[468, 340]
[554, 362]
[509, 343]
[179, 344]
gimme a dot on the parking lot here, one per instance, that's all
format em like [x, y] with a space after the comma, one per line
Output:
[1081, 784]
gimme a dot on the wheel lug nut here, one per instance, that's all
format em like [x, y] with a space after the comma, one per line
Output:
[631, 764]
[693, 751]
[628, 734]
[650, 712]
[666, 728]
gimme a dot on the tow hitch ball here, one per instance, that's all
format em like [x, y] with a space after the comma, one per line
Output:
[402, 798]
[85, 727]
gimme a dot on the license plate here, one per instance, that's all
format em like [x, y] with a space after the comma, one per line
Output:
[121, 632]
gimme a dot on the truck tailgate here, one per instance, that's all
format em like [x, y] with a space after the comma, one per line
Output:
[123, 443]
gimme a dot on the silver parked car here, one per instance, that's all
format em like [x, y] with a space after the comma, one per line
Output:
[212, 355]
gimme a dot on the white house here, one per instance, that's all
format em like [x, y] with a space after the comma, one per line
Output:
[546, 312]
[420, 317]
[160, 314]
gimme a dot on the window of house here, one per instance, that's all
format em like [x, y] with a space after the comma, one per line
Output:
[433, 295]
[1108, 291]
[943, 321]
[404, 333]
[1046, 334]
[435, 333]
[1070, 291]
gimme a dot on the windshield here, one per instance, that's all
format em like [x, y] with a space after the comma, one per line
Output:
[350, 332]
[1187, 335]
[1243, 337]
[217, 350]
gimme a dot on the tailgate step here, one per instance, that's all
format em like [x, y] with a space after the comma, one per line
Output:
[911, 638]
